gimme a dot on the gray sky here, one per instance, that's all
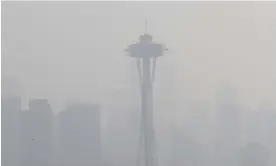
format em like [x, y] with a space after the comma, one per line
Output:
[68, 50]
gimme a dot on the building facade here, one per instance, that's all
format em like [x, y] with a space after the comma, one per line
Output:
[80, 135]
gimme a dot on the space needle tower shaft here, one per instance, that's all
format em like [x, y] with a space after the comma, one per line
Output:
[146, 52]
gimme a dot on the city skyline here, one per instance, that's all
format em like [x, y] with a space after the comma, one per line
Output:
[72, 96]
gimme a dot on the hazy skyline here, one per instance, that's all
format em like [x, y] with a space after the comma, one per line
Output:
[75, 50]
[214, 91]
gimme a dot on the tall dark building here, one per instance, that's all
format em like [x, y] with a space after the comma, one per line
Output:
[80, 135]
[37, 134]
[11, 112]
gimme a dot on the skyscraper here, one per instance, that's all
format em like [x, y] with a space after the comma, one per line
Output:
[11, 113]
[165, 104]
[197, 120]
[124, 121]
[80, 135]
[268, 126]
[255, 154]
[228, 134]
[186, 150]
[37, 134]
[254, 123]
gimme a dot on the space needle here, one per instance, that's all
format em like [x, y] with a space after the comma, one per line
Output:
[145, 51]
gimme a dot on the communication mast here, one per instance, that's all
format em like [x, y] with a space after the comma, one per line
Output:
[146, 52]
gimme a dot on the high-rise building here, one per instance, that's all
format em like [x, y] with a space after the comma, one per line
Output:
[11, 113]
[261, 130]
[228, 127]
[268, 115]
[122, 133]
[122, 140]
[261, 125]
[268, 126]
[165, 107]
[254, 131]
[198, 123]
[254, 154]
[37, 134]
[197, 120]
[186, 150]
[80, 135]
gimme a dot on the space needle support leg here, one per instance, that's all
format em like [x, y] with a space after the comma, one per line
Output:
[147, 112]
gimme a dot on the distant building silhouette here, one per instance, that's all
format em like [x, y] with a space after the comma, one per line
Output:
[228, 134]
[198, 120]
[11, 113]
[261, 128]
[125, 120]
[165, 107]
[122, 130]
[37, 134]
[122, 137]
[186, 151]
[254, 154]
[268, 114]
[254, 127]
[267, 126]
[80, 135]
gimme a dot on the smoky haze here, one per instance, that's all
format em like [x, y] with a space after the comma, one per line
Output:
[214, 89]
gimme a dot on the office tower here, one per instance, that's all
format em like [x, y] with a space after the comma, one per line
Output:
[186, 150]
[11, 114]
[80, 135]
[268, 115]
[198, 123]
[197, 120]
[255, 154]
[123, 124]
[165, 106]
[122, 139]
[228, 134]
[268, 126]
[37, 134]
[254, 129]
